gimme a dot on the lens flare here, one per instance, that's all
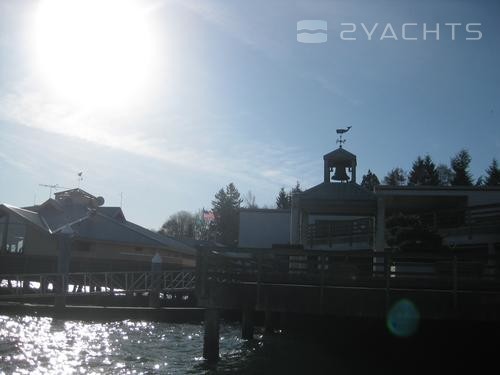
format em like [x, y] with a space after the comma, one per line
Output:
[403, 318]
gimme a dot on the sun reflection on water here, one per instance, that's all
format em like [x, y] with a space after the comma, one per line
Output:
[42, 345]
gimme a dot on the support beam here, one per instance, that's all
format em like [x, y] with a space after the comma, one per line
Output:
[154, 292]
[247, 323]
[283, 324]
[269, 322]
[380, 236]
[211, 335]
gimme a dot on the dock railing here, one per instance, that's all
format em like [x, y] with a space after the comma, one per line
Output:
[94, 283]
[447, 271]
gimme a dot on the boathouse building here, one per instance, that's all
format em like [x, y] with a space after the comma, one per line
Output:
[100, 238]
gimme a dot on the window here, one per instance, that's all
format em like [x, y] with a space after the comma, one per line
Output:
[3, 231]
[12, 233]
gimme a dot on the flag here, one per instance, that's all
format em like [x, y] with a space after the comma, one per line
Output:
[208, 216]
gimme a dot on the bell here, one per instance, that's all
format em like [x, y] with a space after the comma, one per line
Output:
[340, 174]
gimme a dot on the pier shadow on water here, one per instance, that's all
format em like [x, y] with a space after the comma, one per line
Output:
[362, 346]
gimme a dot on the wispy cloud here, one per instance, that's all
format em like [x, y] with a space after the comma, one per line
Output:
[245, 160]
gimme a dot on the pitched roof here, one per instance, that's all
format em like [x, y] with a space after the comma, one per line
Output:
[338, 191]
[73, 191]
[33, 217]
[95, 224]
[340, 154]
[113, 212]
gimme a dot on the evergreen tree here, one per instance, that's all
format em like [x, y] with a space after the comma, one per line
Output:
[423, 172]
[369, 181]
[417, 175]
[226, 207]
[296, 189]
[493, 174]
[396, 177]
[283, 200]
[460, 165]
[432, 173]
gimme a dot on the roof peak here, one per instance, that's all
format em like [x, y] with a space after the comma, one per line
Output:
[75, 190]
[339, 152]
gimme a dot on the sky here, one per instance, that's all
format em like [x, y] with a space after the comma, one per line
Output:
[162, 103]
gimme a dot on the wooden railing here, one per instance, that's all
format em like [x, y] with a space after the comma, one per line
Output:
[94, 283]
[348, 233]
[354, 269]
[481, 217]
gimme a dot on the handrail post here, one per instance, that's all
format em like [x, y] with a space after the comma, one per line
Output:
[311, 230]
[322, 283]
[455, 281]
[259, 277]
[388, 261]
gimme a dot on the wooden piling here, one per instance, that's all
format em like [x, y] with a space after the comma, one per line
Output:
[247, 323]
[211, 335]
[269, 322]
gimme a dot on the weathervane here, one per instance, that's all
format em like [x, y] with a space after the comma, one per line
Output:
[341, 132]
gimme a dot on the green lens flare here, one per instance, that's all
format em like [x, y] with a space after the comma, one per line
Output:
[403, 318]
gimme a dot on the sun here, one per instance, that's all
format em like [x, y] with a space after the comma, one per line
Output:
[94, 52]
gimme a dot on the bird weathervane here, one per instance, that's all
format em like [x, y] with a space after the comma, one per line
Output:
[341, 132]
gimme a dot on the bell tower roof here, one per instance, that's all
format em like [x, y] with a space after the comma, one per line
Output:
[340, 154]
[340, 162]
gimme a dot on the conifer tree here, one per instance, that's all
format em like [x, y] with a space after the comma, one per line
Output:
[369, 181]
[493, 174]
[460, 166]
[395, 177]
[226, 207]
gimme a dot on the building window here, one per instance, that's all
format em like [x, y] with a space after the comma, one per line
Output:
[3, 231]
[12, 233]
[82, 246]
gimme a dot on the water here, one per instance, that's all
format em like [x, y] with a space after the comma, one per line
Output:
[42, 345]
[31, 344]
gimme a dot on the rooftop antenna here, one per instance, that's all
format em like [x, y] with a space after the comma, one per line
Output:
[55, 187]
[341, 132]
[80, 179]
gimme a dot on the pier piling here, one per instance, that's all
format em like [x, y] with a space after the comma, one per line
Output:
[211, 335]
[269, 322]
[247, 323]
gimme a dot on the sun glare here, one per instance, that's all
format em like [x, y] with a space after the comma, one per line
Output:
[94, 52]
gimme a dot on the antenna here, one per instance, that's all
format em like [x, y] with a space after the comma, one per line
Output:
[56, 186]
[80, 179]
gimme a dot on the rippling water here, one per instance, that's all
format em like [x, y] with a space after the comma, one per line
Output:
[42, 345]
[31, 344]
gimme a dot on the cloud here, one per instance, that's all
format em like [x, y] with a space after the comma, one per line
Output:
[215, 150]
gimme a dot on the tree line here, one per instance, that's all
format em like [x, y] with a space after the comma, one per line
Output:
[424, 172]
[221, 224]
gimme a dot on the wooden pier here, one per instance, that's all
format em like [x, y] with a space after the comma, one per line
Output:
[442, 285]
[446, 285]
